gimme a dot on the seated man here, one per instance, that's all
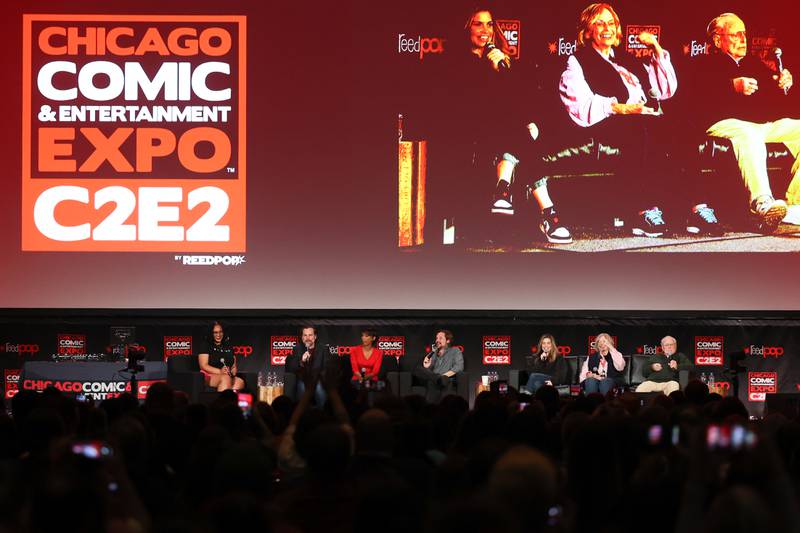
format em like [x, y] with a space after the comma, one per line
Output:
[662, 370]
[309, 359]
[737, 97]
[439, 366]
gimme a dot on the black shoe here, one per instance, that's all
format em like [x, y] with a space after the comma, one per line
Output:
[552, 228]
[702, 221]
[502, 201]
[650, 224]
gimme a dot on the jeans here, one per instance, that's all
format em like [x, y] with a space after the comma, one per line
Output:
[592, 385]
[320, 396]
[536, 380]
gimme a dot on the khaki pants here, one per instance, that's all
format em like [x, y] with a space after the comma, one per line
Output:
[651, 386]
[748, 140]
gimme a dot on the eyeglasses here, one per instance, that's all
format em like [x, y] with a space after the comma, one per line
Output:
[740, 35]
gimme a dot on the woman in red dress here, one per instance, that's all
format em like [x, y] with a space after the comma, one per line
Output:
[366, 358]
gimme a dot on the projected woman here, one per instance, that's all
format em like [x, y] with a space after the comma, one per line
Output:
[217, 362]
[485, 89]
[601, 89]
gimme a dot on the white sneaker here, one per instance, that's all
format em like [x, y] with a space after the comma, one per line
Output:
[769, 211]
[792, 215]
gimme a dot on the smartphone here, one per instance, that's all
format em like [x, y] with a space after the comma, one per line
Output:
[502, 388]
[245, 402]
[654, 435]
[523, 405]
[92, 449]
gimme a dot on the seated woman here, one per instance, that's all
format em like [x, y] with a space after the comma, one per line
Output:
[602, 371]
[366, 358]
[547, 367]
[479, 79]
[217, 362]
[602, 91]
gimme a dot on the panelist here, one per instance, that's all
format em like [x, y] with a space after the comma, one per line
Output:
[307, 362]
[739, 98]
[479, 80]
[617, 98]
[662, 369]
[439, 367]
[366, 358]
[602, 371]
[217, 361]
[547, 367]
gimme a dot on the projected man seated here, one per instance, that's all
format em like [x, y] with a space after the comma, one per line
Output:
[661, 372]
[438, 367]
[739, 98]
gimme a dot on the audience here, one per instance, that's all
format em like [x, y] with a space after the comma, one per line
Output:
[688, 462]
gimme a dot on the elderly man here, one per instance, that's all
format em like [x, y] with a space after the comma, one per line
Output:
[739, 98]
[662, 369]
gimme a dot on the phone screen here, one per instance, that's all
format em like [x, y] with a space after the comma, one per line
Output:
[245, 402]
[92, 449]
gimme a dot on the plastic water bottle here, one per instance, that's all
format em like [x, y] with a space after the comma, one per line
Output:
[711, 380]
[703, 378]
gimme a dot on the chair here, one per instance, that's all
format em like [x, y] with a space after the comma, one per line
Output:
[637, 372]
[626, 372]
[404, 383]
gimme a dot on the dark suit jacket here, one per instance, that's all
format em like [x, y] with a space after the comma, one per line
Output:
[318, 358]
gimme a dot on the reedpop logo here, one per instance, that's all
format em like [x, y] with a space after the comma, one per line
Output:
[419, 45]
[562, 47]
[764, 351]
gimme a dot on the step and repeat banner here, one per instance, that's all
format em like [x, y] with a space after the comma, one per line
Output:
[346, 155]
[748, 358]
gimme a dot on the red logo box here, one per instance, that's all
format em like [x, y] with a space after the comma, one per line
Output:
[134, 133]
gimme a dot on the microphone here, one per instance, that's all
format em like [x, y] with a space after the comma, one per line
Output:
[489, 47]
[655, 95]
[778, 53]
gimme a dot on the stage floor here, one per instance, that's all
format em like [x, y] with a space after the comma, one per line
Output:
[786, 239]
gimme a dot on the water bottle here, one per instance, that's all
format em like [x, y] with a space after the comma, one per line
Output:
[703, 378]
[711, 380]
[262, 378]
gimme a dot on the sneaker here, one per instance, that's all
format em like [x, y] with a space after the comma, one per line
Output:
[792, 215]
[501, 203]
[769, 211]
[702, 221]
[650, 224]
[552, 228]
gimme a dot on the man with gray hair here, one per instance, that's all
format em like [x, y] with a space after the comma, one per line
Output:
[737, 97]
[661, 371]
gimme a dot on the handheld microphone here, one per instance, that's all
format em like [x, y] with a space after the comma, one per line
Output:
[655, 95]
[778, 53]
[502, 64]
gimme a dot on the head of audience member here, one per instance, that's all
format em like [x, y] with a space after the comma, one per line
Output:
[526, 481]
[599, 27]
[482, 31]
[374, 433]
[547, 347]
[327, 452]
[728, 35]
